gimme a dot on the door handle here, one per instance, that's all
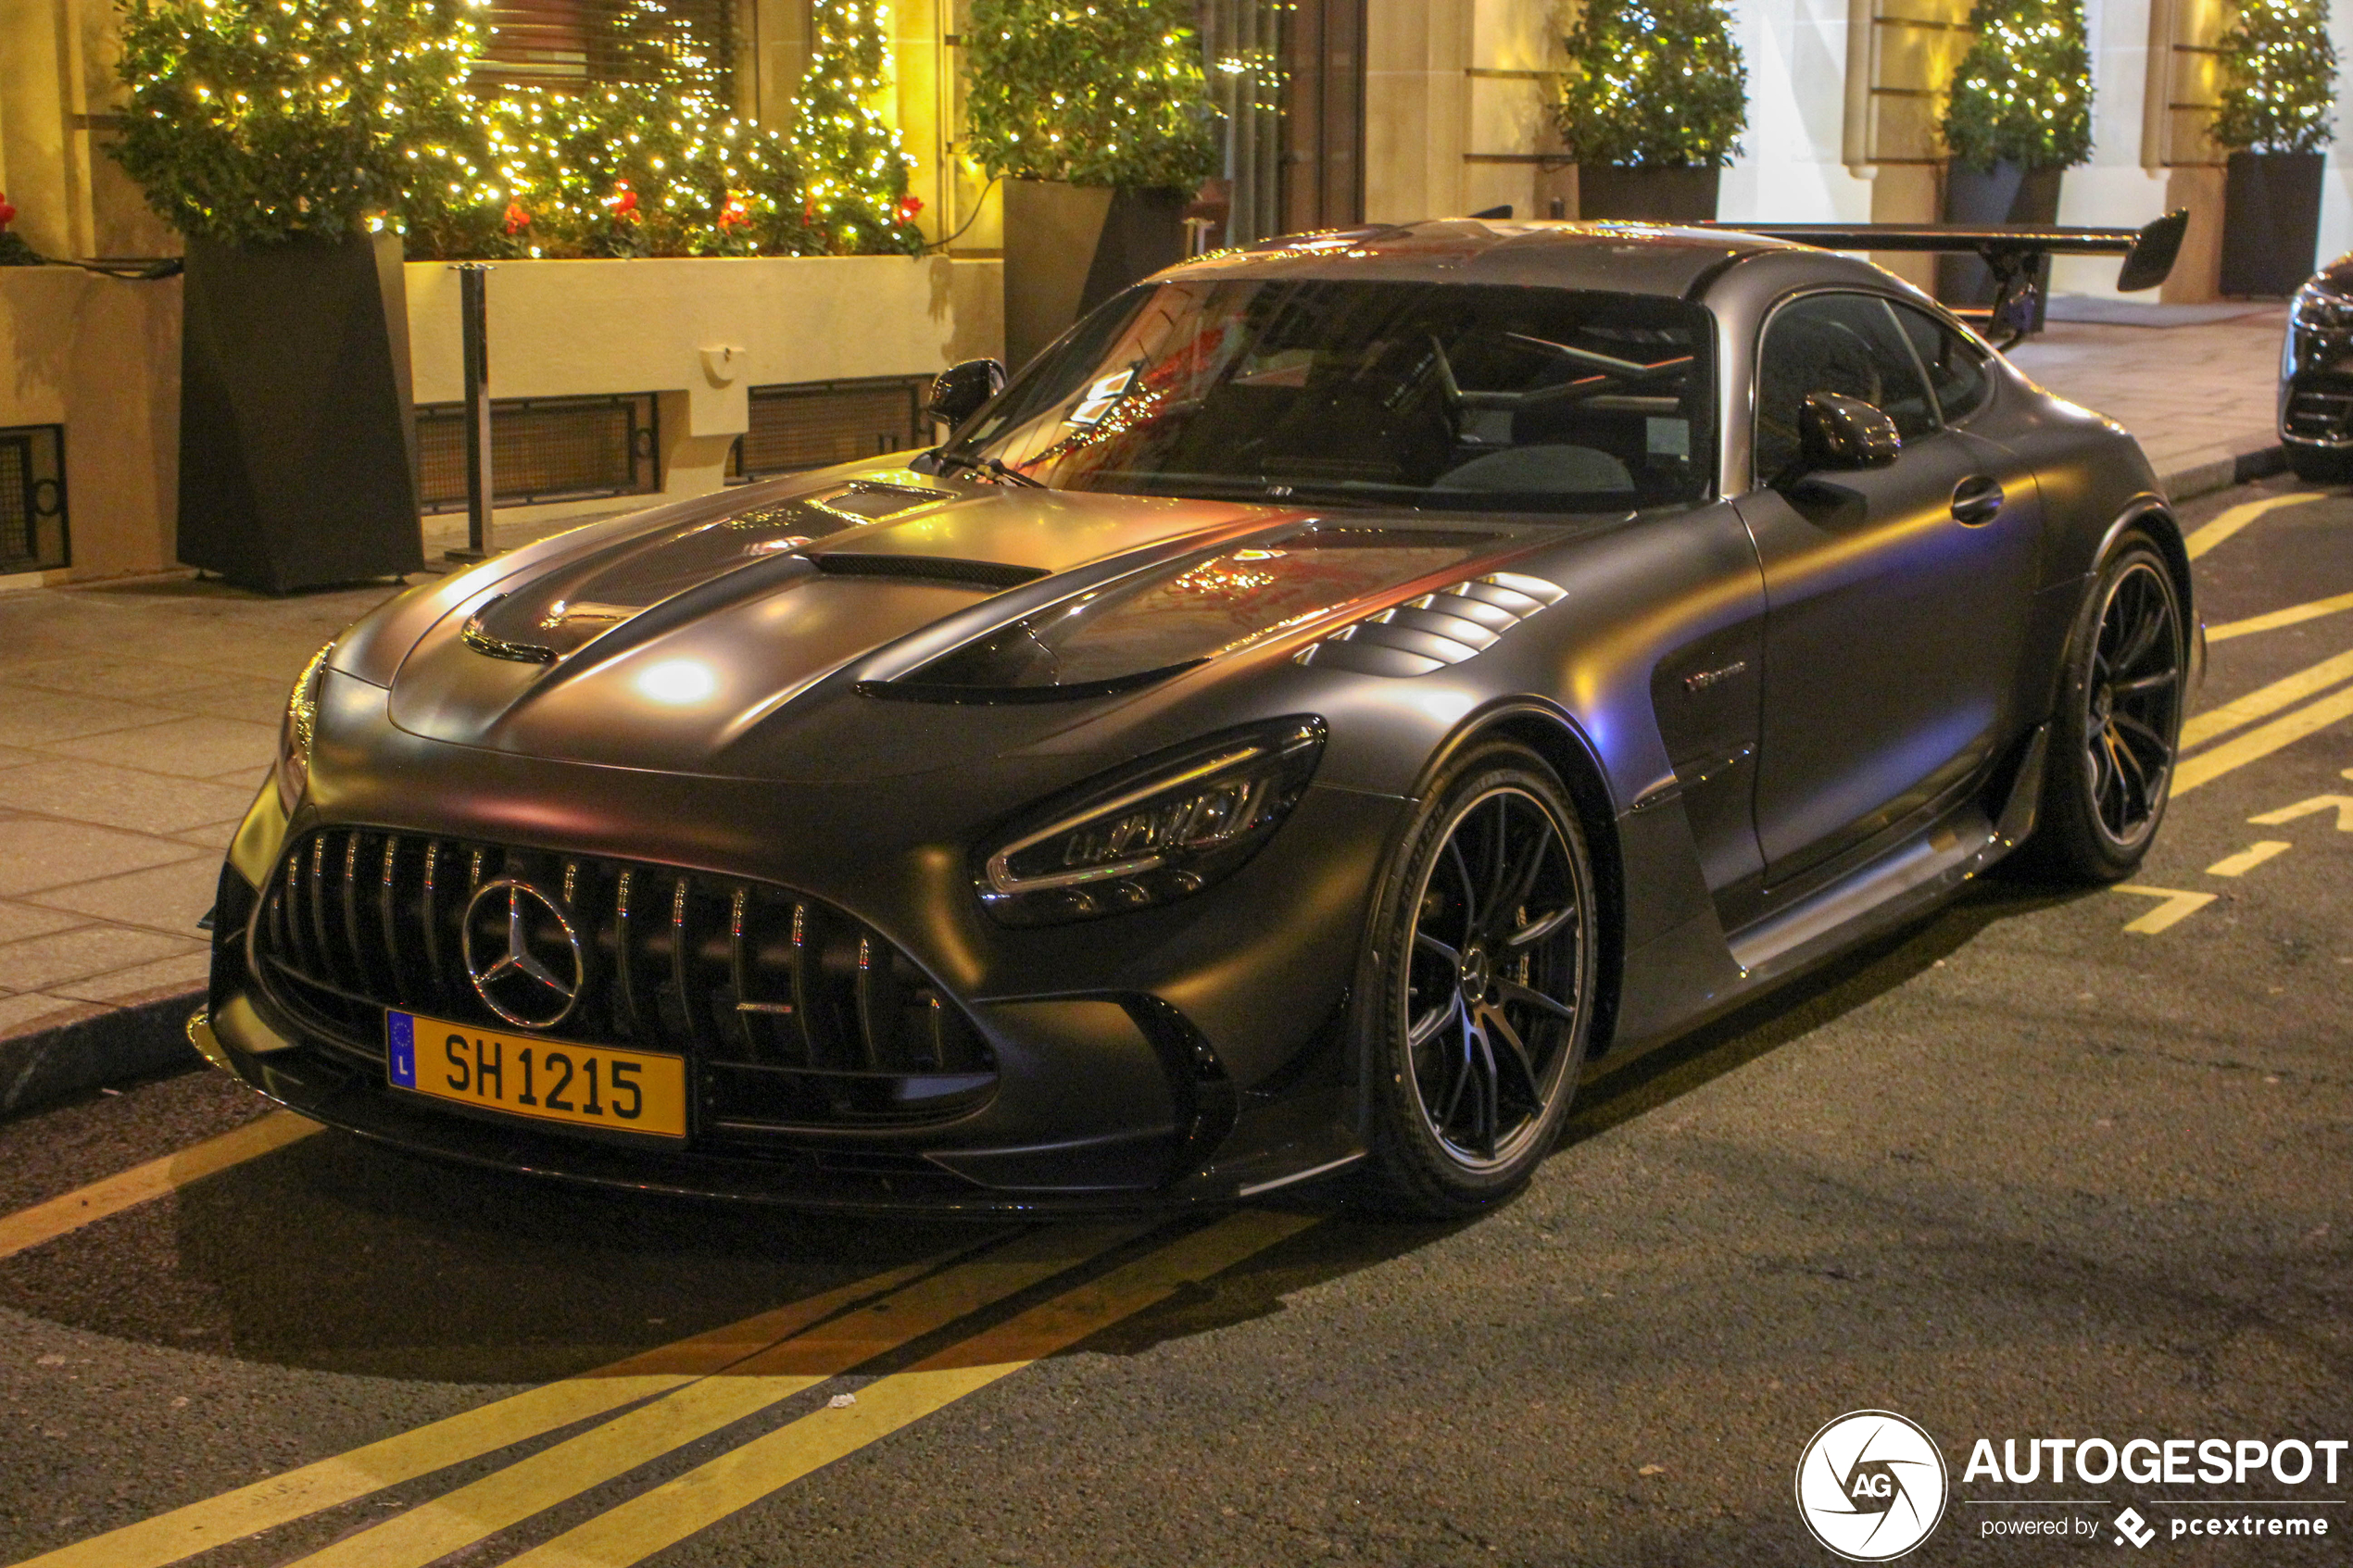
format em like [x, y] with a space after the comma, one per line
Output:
[1976, 499]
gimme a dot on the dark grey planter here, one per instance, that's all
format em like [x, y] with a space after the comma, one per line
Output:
[1070, 247]
[2270, 222]
[296, 419]
[2008, 193]
[1646, 194]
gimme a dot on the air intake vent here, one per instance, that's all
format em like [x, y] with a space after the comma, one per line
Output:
[790, 1013]
[1436, 630]
[2320, 413]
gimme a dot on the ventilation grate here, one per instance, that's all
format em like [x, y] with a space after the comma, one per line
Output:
[812, 425]
[32, 499]
[542, 449]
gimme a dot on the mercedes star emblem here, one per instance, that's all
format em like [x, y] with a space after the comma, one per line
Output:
[538, 969]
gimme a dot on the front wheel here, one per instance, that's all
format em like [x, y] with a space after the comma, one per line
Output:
[2113, 739]
[1479, 1001]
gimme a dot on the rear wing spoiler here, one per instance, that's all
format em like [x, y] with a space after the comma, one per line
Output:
[2019, 255]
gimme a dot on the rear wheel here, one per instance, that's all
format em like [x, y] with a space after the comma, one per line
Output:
[1480, 1007]
[2110, 767]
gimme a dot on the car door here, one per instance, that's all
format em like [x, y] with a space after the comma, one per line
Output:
[1895, 598]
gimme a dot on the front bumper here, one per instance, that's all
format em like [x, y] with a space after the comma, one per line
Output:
[1193, 1054]
[2315, 389]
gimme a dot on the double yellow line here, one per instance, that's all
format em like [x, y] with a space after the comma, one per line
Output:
[2260, 742]
[683, 1393]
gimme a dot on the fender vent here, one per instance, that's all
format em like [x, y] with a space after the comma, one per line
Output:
[1436, 630]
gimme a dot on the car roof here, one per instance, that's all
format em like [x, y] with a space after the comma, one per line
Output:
[1619, 257]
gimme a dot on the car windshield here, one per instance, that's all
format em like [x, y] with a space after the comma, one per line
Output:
[1488, 397]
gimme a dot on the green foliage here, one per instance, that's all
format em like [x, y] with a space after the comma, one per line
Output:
[2279, 78]
[1657, 82]
[631, 170]
[2023, 92]
[1107, 93]
[255, 121]
[858, 167]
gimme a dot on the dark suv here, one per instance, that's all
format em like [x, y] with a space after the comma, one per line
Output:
[2316, 376]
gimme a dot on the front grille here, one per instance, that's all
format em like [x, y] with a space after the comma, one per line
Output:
[791, 1013]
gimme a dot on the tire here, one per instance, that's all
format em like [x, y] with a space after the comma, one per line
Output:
[1477, 1002]
[2320, 465]
[2116, 734]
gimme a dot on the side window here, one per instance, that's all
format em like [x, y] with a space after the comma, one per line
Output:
[1841, 343]
[1956, 366]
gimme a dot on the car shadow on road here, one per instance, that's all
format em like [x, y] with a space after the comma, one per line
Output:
[1617, 1089]
[337, 1255]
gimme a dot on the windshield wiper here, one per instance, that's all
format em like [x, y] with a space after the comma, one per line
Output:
[996, 468]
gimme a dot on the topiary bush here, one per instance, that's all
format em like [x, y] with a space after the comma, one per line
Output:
[1109, 95]
[2023, 91]
[2279, 78]
[257, 121]
[1654, 82]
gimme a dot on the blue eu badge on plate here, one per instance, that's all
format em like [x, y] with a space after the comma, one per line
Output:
[402, 1032]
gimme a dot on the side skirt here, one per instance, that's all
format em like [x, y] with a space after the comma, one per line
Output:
[1866, 902]
[1899, 885]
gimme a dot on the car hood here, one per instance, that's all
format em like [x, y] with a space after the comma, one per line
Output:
[767, 638]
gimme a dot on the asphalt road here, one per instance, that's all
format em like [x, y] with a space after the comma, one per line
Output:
[2023, 1172]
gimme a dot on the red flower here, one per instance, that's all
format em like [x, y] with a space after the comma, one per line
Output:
[624, 202]
[907, 207]
[517, 219]
[7, 213]
[733, 213]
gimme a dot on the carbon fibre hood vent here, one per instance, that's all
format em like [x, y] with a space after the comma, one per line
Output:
[1437, 630]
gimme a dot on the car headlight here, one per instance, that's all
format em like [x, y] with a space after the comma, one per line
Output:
[1152, 834]
[295, 730]
[2316, 308]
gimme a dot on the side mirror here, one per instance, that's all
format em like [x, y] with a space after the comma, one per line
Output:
[1836, 431]
[958, 392]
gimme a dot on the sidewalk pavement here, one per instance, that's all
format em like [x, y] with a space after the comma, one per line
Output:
[2203, 398]
[137, 720]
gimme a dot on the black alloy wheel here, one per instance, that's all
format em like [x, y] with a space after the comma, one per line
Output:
[1484, 1008]
[2112, 751]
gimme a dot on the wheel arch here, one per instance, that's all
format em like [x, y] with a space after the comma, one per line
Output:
[1557, 738]
[2156, 518]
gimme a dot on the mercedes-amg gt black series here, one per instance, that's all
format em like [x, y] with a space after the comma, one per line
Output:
[1340, 689]
[2316, 376]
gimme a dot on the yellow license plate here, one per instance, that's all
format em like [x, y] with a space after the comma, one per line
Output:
[549, 1080]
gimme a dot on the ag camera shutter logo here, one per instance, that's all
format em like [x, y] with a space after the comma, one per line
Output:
[1871, 1485]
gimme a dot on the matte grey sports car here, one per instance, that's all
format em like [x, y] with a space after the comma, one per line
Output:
[1337, 690]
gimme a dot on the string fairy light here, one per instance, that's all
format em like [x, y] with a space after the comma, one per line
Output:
[2021, 93]
[1113, 93]
[346, 115]
[2279, 78]
[1654, 84]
